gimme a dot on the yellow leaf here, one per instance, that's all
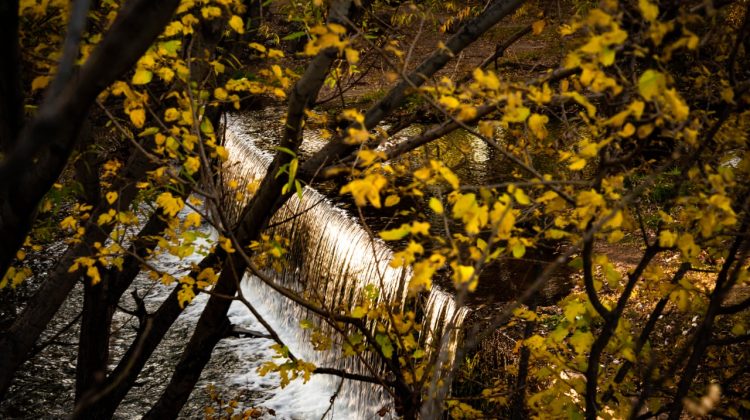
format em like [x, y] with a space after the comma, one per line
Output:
[537, 125]
[185, 295]
[727, 94]
[649, 10]
[676, 105]
[464, 204]
[220, 94]
[137, 117]
[449, 102]
[171, 114]
[590, 109]
[352, 55]
[192, 219]
[395, 234]
[226, 244]
[615, 221]
[422, 174]
[392, 200]
[39, 82]
[447, 174]
[538, 26]
[463, 274]
[367, 189]
[256, 46]
[357, 136]
[486, 128]
[171, 205]
[192, 164]
[274, 53]
[142, 76]
[208, 275]
[69, 223]
[367, 157]
[667, 239]
[577, 164]
[618, 119]
[686, 244]
[93, 274]
[104, 218]
[486, 80]
[471, 213]
[420, 228]
[235, 22]
[467, 113]
[682, 298]
[516, 114]
[111, 197]
[211, 12]
[436, 205]
[645, 130]
[520, 196]
[221, 151]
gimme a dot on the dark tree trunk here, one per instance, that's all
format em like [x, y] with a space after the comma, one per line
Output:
[518, 405]
[100, 303]
[213, 325]
[101, 403]
[44, 146]
[93, 345]
[17, 342]
[11, 96]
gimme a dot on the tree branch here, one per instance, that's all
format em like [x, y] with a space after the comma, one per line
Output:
[588, 279]
[395, 97]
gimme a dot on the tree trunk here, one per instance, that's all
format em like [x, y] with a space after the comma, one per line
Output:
[93, 345]
[30, 169]
[213, 325]
[11, 96]
[21, 336]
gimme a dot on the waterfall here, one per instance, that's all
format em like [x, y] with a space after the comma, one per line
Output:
[331, 259]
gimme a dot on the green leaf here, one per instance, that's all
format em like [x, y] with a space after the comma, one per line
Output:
[371, 292]
[298, 187]
[171, 47]
[576, 263]
[286, 150]
[359, 312]
[651, 83]
[148, 132]
[573, 309]
[356, 338]
[581, 341]
[206, 126]
[385, 345]
[294, 36]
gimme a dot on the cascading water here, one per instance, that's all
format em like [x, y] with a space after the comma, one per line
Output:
[332, 259]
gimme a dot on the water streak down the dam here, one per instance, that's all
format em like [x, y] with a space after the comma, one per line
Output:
[331, 258]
